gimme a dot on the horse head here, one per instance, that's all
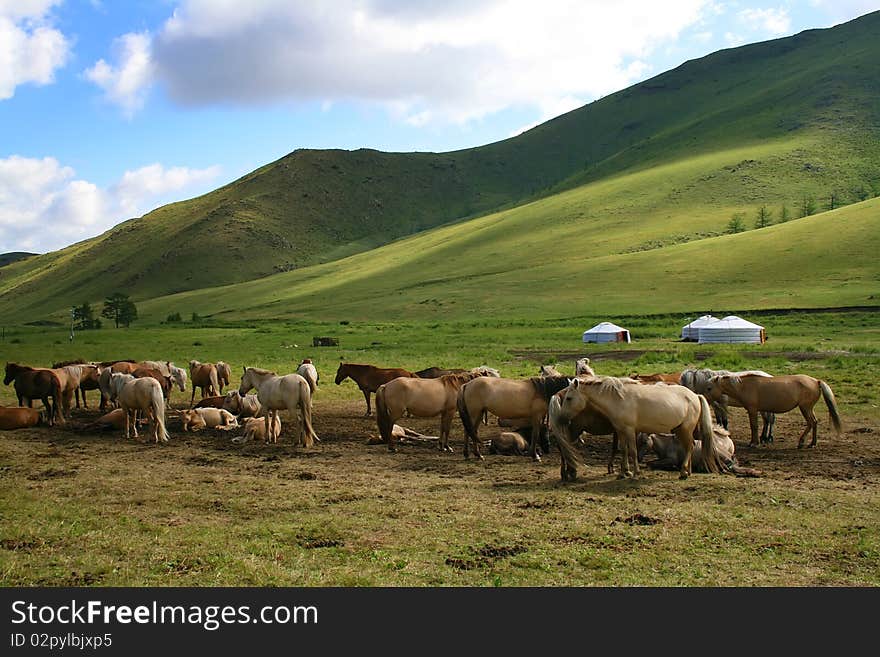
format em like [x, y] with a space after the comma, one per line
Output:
[10, 373]
[714, 387]
[246, 382]
[117, 382]
[573, 401]
[341, 373]
[179, 375]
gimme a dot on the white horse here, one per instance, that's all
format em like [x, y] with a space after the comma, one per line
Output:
[135, 395]
[309, 372]
[582, 368]
[241, 405]
[278, 393]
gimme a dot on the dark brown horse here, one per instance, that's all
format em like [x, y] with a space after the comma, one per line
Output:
[31, 383]
[437, 372]
[368, 377]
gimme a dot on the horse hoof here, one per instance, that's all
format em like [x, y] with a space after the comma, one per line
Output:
[683, 475]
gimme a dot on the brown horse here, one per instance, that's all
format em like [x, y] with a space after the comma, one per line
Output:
[88, 378]
[777, 394]
[421, 398]
[437, 372]
[32, 383]
[671, 379]
[369, 377]
[204, 376]
[224, 373]
[524, 399]
[20, 417]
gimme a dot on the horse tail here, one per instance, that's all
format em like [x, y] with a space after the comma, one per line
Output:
[158, 404]
[305, 407]
[56, 412]
[830, 402]
[383, 418]
[562, 430]
[215, 383]
[710, 455]
[464, 414]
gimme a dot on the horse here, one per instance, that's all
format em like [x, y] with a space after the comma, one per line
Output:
[32, 383]
[369, 377]
[106, 369]
[549, 370]
[164, 381]
[224, 374]
[167, 368]
[698, 380]
[568, 430]
[281, 392]
[670, 455]
[144, 394]
[525, 399]
[310, 373]
[509, 443]
[217, 401]
[212, 418]
[20, 417]
[421, 398]
[204, 376]
[241, 405]
[88, 378]
[255, 428]
[672, 379]
[437, 372]
[582, 367]
[777, 394]
[631, 408]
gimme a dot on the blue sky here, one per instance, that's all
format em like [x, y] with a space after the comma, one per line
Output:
[110, 109]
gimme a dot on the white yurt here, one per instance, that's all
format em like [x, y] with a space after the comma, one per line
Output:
[691, 331]
[732, 329]
[606, 332]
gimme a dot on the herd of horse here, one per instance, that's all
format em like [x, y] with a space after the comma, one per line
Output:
[670, 414]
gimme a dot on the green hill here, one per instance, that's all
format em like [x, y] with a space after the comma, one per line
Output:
[623, 179]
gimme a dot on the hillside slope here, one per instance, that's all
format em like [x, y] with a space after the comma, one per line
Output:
[808, 103]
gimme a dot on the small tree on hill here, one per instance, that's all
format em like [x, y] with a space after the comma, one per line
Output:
[84, 317]
[120, 309]
[808, 206]
[784, 214]
[764, 217]
[736, 224]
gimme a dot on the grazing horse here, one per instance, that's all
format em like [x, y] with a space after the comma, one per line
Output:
[368, 378]
[670, 455]
[204, 376]
[777, 394]
[421, 398]
[19, 417]
[32, 383]
[224, 374]
[582, 367]
[631, 408]
[240, 405]
[437, 372]
[525, 399]
[144, 394]
[310, 373]
[568, 430]
[698, 381]
[278, 393]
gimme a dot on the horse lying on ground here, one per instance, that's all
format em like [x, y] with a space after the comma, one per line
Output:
[241, 405]
[369, 377]
[777, 394]
[672, 379]
[32, 383]
[212, 402]
[401, 434]
[211, 418]
[670, 455]
[255, 429]
[275, 393]
[20, 417]
[698, 381]
[509, 443]
[204, 376]
[135, 395]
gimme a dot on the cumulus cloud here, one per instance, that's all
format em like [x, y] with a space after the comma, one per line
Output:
[127, 83]
[774, 22]
[424, 61]
[43, 206]
[31, 50]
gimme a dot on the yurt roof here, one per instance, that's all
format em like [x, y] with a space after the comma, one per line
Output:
[605, 327]
[703, 321]
[732, 321]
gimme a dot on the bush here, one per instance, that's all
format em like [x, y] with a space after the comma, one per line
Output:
[173, 317]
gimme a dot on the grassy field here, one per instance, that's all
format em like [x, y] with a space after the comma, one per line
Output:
[93, 509]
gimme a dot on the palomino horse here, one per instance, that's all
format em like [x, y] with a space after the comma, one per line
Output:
[106, 369]
[204, 376]
[224, 374]
[509, 399]
[698, 381]
[144, 394]
[631, 408]
[241, 405]
[670, 455]
[167, 368]
[278, 393]
[568, 430]
[368, 377]
[582, 367]
[255, 429]
[421, 398]
[32, 383]
[310, 373]
[549, 370]
[88, 378]
[777, 394]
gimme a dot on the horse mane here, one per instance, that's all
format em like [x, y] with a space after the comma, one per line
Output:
[610, 384]
[547, 386]
[457, 380]
[260, 370]
[65, 363]
[108, 363]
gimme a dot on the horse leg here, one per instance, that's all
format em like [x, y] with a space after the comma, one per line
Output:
[614, 443]
[807, 413]
[535, 439]
[686, 443]
[815, 427]
[753, 425]
[367, 399]
[625, 471]
[192, 400]
[445, 428]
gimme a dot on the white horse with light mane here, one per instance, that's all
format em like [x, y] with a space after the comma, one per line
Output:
[135, 395]
[277, 393]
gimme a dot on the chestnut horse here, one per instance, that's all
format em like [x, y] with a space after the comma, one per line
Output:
[224, 373]
[369, 377]
[32, 383]
[204, 376]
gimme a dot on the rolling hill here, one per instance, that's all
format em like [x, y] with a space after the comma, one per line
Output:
[620, 187]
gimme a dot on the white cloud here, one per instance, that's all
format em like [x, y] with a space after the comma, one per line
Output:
[423, 61]
[126, 84]
[31, 50]
[774, 22]
[44, 207]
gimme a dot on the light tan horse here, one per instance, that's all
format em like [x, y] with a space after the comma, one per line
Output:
[144, 394]
[204, 376]
[309, 372]
[568, 430]
[777, 394]
[421, 398]
[582, 367]
[224, 374]
[275, 393]
[631, 407]
[241, 405]
[670, 455]
[255, 429]
[522, 399]
[167, 368]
